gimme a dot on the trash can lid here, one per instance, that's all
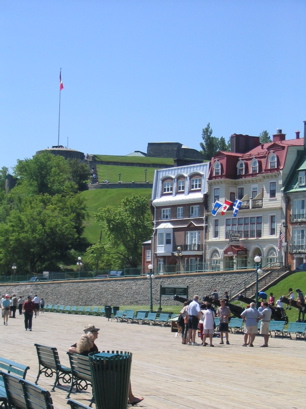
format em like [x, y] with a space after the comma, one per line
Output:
[107, 355]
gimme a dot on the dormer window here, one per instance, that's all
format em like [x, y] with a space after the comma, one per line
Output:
[302, 177]
[254, 166]
[196, 183]
[181, 185]
[217, 168]
[167, 187]
[240, 168]
[272, 161]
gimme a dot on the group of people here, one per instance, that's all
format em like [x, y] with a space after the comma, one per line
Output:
[201, 317]
[29, 307]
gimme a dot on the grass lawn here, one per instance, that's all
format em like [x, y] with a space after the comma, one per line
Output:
[128, 174]
[134, 159]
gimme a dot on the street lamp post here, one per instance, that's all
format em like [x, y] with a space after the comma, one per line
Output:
[79, 264]
[150, 276]
[257, 260]
[119, 177]
[14, 268]
[178, 254]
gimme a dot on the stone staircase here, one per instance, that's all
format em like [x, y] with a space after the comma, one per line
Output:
[270, 276]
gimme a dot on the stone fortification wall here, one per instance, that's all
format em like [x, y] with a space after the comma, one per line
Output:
[128, 291]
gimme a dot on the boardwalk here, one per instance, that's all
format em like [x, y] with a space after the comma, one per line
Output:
[171, 375]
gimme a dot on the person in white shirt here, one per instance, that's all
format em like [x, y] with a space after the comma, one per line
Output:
[36, 301]
[208, 324]
[193, 319]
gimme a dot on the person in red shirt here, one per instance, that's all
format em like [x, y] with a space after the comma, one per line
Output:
[28, 308]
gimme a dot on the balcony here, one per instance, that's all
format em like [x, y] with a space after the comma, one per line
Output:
[298, 217]
[189, 247]
[245, 204]
[297, 248]
[256, 203]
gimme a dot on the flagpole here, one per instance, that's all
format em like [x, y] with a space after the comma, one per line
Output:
[59, 118]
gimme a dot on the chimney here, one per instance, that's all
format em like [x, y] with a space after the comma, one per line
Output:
[279, 136]
[297, 134]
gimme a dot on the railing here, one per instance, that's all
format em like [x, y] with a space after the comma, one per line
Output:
[298, 217]
[297, 248]
[256, 204]
[188, 247]
[245, 204]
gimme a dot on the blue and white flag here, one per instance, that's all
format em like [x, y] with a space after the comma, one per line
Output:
[236, 206]
[216, 207]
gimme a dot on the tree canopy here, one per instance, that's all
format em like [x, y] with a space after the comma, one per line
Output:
[211, 144]
[264, 137]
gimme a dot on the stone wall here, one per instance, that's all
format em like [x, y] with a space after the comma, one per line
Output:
[129, 291]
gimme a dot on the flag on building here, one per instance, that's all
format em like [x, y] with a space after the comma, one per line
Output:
[216, 207]
[236, 207]
[225, 206]
[280, 239]
[61, 85]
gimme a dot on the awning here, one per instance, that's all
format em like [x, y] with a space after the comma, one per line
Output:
[235, 250]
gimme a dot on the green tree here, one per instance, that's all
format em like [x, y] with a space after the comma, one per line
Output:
[126, 227]
[211, 144]
[80, 173]
[264, 137]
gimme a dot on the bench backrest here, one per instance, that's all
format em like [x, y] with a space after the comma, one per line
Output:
[26, 395]
[13, 367]
[163, 317]
[236, 322]
[77, 405]
[48, 356]
[80, 366]
[296, 327]
[151, 316]
[277, 325]
[141, 315]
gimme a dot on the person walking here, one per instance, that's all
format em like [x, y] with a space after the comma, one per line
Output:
[28, 308]
[20, 304]
[193, 319]
[6, 309]
[14, 305]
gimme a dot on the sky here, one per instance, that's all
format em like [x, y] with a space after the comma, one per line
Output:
[140, 71]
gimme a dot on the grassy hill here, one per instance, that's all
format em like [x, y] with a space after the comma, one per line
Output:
[127, 173]
[98, 198]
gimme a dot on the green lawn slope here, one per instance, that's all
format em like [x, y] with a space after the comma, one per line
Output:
[127, 174]
[99, 198]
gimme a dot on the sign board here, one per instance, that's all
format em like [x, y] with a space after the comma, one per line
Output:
[234, 237]
[171, 290]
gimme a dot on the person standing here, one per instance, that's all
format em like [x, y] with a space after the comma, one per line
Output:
[42, 305]
[6, 309]
[208, 324]
[36, 301]
[223, 313]
[193, 319]
[184, 314]
[265, 323]
[14, 305]
[28, 308]
[251, 316]
[20, 304]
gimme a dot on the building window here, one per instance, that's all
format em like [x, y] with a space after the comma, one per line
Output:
[272, 161]
[180, 212]
[240, 168]
[254, 190]
[160, 239]
[272, 225]
[240, 192]
[216, 229]
[272, 257]
[194, 211]
[193, 240]
[302, 177]
[168, 238]
[258, 226]
[148, 255]
[216, 194]
[181, 185]
[246, 227]
[160, 265]
[217, 168]
[215, 261]
[298, 211]
[254, 166]
[196, 183]
[167, 187]
[166, 213]
[299, 239]
[272, 190]
[232, 196]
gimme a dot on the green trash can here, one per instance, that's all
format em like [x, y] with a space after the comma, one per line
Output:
[115, 309]
[108, 311]
[110, 372]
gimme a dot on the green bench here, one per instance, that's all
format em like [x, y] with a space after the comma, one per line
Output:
[277, 327]
[77, 405]
[49, 365]
[22, 394]
[80, 373]
[10, 367]
[162, 319]
[297, 328]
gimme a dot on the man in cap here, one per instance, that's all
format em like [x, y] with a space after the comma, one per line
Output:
[6, 309]
[28, 308]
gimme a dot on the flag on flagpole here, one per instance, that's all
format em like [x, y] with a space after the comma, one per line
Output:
[225, 206]
[280, 239]
[236, 207]
[216, 207]
[61, 85]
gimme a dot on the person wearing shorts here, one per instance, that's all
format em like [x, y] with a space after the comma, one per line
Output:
[265, 323]
[6, 309]
[223, 313]
[251, 316]
[208, 324]
[193, 319]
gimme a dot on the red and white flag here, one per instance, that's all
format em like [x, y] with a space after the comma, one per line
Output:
[61, 85]
[226, 205]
